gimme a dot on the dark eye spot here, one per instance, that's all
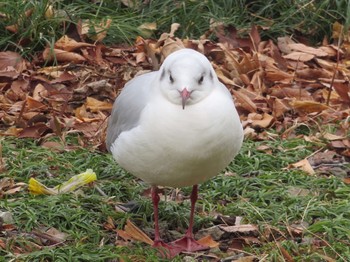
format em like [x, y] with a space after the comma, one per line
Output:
[200, 80]
[171, 79]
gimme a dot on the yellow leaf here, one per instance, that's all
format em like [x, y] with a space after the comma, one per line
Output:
[37, 188]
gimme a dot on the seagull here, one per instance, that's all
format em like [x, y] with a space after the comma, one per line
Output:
[175, 127]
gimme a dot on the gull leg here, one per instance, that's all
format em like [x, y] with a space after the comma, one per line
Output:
[165, 250]
[187, 242]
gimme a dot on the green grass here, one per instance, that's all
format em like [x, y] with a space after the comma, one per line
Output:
[311, 19]
[259, 190]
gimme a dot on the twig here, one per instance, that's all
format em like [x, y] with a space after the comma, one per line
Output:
[100, 190]
[335, 70]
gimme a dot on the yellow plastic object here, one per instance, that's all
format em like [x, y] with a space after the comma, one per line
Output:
[37, 188]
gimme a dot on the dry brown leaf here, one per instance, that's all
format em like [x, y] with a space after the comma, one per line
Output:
[35, 131]
[96, 32]
[2, 244]
[12, 28]
[59, 55]
[146, 29]
[55, 146]
[343, 90]
[284, 92]
[278, 76]
[224, 79]
[136, 233]
[303, 165]
[329, 65]
[299, 56]
[12, 131]
[95, 105]
[244, 101]
[308, 106]
[312, 74]
[124, 235]
[338, 144]
[246, 259]
[264, 122]
[8, 185]
[283, 44]
[173, 28]
[279, 107]
[53, 71]
[171, 46]
[58, 235]
[307, 49]
[240, 228]
[52, 236]
[34, 104]
[68, 44]
[208, 241]
[332, 137]
[285, 253]
[39, 92]
[10, 59]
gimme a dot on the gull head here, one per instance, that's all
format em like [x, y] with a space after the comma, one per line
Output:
[186, 77]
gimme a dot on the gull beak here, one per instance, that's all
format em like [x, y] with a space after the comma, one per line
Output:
[184, 95]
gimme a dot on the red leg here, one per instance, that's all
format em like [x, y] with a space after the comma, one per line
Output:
[165, 250]
[187, 242]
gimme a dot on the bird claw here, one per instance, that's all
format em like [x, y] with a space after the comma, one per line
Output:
[166, 250]
[188, 244]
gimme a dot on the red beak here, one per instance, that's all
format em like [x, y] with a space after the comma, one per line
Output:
[184, 95]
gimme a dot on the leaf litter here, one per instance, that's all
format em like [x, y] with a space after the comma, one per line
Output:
[71, 88]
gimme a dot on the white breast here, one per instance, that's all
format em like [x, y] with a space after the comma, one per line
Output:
[176, 147]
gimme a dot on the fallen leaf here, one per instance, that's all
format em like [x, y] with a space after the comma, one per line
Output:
[307, 49]
[51, 237]
[223, 78]
[68, 44]
[39, 92]
[285, 253]
[264, 122]
[95, 31]
[34, 104]
[146, 29]
[95, 105]
[59, 55]
[303, 165]
[332, 137]
[10, 59]
[299, 56]
[240, 228]
[308, 106]
[124, 235]
[244, 101]
[136, 233]
[34, 131]
[208, 241]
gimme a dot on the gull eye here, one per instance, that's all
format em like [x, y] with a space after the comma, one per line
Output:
[171, 79]
[200, 80]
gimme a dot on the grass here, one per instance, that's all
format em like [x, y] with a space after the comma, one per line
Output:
[259, 190]
[42, 23]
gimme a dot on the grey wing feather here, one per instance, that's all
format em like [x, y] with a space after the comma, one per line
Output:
[128, 106]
